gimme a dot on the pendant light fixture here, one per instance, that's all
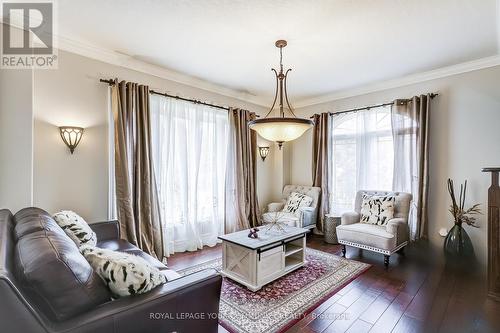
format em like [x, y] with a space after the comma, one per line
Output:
[283, 128]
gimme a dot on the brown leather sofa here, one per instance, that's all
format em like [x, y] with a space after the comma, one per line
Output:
[46, 285]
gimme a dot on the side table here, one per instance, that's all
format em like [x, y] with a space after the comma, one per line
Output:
[331, 223]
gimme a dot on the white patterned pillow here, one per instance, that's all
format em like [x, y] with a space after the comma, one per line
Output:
[124, 273]
[295, 201]
[377, 209]
[76, 228]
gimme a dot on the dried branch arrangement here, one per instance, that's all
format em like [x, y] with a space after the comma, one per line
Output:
[457, 209]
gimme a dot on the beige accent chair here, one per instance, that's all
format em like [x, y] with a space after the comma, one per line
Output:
[386, 239]
[308, 215]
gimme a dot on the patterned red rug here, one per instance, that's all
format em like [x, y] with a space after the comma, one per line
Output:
[280, 304]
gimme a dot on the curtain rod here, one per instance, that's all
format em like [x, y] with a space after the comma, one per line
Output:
[432, 95]
[189, 100]
[112, 82]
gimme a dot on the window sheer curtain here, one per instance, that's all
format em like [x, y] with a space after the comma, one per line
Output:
[189, 152]
[363, 155]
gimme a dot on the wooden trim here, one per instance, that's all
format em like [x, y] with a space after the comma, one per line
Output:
[494, 234]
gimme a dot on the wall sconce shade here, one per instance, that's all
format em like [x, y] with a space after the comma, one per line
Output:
[263, 151]
[71, 136]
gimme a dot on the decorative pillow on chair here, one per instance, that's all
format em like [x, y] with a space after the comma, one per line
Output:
[125, 274]
[377, 209]
[295, 201]
[76, 228]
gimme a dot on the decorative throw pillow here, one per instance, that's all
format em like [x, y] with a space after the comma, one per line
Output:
[125, 274]
[295, 201]
[76, 228]
[377, 209]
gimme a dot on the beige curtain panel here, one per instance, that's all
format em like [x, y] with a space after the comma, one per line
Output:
[321, 163]
[410, 127]
[242, 206]
[136, 195]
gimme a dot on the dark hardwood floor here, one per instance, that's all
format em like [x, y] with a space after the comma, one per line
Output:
[417, 293]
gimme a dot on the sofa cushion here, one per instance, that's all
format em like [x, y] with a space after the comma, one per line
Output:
[124, 273]
[53, 272]
[377, 209]
[122, 245]
[367, 234]
[149, 259]
[29, 220]
[76, 228]
[401, 206]
[295, 201]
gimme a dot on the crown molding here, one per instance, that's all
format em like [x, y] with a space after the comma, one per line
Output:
[123, 60]
[403, 81]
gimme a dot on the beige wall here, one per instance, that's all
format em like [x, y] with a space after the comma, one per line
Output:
[73, 95]
[464, 137]
[16, 139]
[266, 171]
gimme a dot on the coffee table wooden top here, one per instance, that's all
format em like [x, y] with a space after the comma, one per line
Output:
[265, 237]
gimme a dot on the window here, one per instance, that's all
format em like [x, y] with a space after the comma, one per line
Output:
[189, 154]
[363, 155]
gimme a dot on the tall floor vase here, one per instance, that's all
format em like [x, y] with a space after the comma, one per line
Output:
[493, 235]
[457, 244]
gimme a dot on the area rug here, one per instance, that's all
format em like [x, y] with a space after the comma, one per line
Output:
[280, 304]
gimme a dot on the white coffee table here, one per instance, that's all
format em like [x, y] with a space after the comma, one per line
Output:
[256, 262]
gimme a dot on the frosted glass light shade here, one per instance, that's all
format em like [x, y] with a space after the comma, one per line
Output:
[71, 136]
[280, 129]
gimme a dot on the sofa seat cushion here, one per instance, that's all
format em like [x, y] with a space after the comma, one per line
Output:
[117, 245]
[149, 259]
[53, 273]
[367, 234]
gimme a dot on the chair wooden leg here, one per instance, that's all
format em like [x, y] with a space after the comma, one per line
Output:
[343, 250]
[386, 260]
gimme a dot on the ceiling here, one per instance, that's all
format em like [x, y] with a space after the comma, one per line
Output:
[332, 45]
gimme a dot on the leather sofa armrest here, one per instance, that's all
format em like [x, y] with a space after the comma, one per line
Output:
[350, 218]
[187, 304]
[399, 228]
[106, 230]
[275, 207]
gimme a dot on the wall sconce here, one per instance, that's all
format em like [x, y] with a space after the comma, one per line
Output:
[71, 136]
[263, 151]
